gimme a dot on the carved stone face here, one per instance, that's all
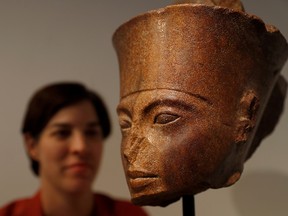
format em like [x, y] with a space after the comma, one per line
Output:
[176, 143]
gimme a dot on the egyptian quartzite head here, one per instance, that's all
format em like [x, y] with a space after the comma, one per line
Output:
[195, 84]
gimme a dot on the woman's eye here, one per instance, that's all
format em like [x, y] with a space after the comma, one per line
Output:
[93, 132]
[124, 124]
[165, 118]
[62, 133]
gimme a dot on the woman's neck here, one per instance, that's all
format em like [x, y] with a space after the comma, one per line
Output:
[58, 203]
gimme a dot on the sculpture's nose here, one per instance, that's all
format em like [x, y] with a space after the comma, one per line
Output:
[132, 147]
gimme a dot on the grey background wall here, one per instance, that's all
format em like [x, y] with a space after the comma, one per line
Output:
[46, 41]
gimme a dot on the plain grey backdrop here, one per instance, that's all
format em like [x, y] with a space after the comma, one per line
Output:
[59, 40]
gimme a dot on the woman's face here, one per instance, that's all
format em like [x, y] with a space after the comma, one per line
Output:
[69, 149]
[174, 143]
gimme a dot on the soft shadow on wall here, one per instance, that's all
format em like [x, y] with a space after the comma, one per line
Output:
[262, 193]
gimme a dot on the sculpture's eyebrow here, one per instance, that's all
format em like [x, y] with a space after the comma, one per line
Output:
[171, 103]
[122, 109]
[177, 103]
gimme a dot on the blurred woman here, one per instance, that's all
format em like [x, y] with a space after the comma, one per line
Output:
[64, 129]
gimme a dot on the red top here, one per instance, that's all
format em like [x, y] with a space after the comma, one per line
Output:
[104, 206]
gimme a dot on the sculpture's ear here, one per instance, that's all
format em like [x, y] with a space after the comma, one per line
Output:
[248, 109]
[271, 114]
[246, 121]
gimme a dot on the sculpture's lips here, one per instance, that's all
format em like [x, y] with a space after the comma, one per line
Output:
[140, 180]
[135, 174]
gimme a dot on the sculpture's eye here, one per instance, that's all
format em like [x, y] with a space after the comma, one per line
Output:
[165, 118]
[124, 124]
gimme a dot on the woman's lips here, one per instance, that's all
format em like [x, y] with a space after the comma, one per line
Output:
[79, 168]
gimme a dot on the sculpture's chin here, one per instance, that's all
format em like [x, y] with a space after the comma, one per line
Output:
[160, 199]
[163, 198]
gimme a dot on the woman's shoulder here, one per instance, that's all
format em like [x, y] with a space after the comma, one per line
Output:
[20, 207]
[117, 207]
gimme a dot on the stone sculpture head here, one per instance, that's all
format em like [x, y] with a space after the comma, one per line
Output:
[195, 83]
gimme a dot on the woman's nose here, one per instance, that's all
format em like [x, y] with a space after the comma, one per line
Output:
[79, 143]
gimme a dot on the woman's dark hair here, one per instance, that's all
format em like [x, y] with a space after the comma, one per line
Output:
[47, 101]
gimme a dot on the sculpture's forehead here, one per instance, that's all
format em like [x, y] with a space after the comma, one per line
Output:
[161, 94]
[141, 102]
[197, 85]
